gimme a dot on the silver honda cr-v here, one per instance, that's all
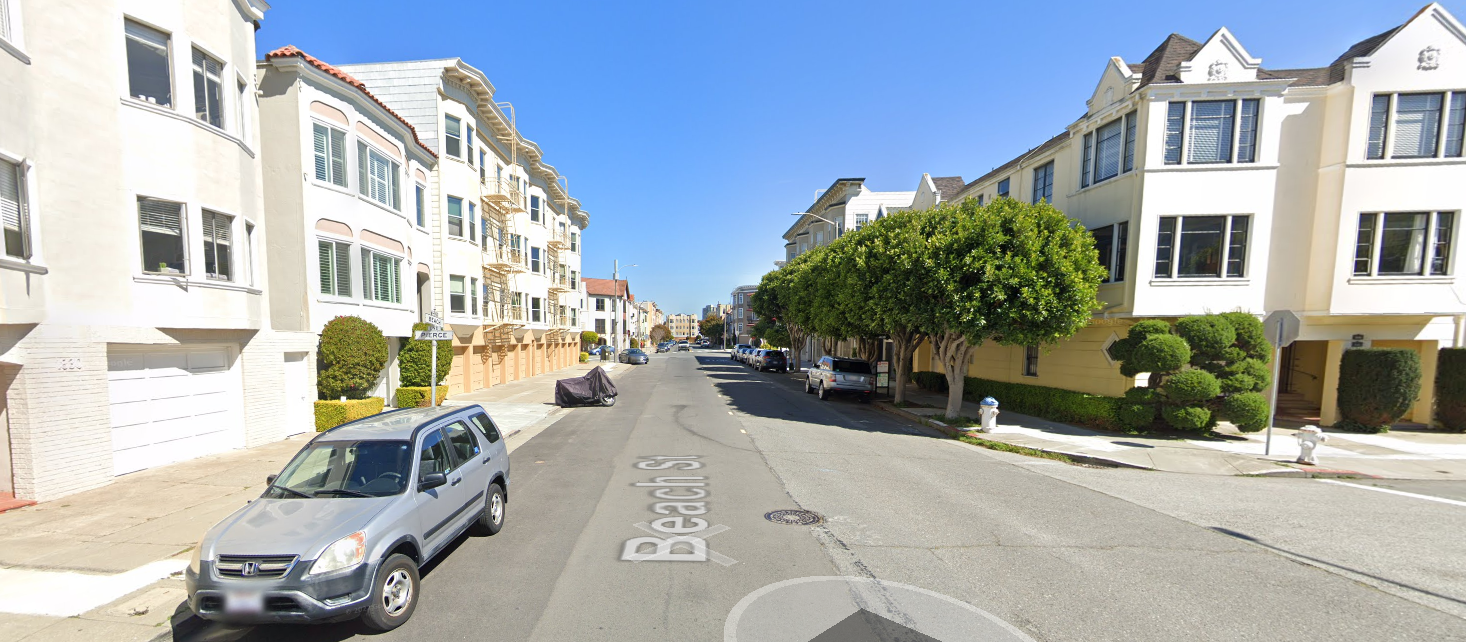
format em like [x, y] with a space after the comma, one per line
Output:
[343, 529]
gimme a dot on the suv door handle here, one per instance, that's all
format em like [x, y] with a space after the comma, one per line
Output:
[487, 458]
[455, 482]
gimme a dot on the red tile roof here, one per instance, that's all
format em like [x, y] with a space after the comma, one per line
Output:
[289, 51]
[607, 287]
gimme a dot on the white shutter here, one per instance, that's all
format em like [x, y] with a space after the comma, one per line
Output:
[13, 210]
[322, 136]
[325, 254]
[343, 269]
[161, 217]
[368, 289]
[361, 169]
[338, 157]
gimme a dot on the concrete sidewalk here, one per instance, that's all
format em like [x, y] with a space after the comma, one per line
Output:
[107, 564]
[1400, 454]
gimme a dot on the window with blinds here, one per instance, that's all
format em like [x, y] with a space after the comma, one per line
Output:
[329, 150]
[1175, 132]
[148, 76]
[452, 136]
[472, 220]
[457, 298]
[14, 209]
[380, 176]
[335, 263]
[218, 258]
[381, 277]
[1202, 246]
[1083, 164]
[208, 89]
[1411, 125]
[1211, 131]
[1111, 241]
[1404, 244]
[163, 246]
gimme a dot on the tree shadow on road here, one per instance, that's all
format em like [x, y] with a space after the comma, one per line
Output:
[775, 395]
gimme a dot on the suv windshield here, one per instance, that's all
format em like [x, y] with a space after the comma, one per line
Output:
[345, 469]
[857, 367]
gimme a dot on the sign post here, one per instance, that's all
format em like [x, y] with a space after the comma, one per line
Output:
[436, 334]
[883, 376]
[1282, 327]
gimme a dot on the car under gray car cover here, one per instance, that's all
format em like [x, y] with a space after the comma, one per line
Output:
[593, 388]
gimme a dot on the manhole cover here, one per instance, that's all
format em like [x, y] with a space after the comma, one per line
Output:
[789, 517]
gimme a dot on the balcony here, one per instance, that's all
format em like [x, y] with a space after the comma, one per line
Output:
[503, 260]
[558, 285]
[559, 240]
[501, 194]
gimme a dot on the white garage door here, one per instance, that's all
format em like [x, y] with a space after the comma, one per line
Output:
[172, 404]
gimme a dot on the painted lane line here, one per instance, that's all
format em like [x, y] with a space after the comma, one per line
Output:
[743, 431]
[1402, 493]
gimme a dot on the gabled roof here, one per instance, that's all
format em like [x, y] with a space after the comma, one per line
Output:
[607, 287]
[1163, 64]
[1365, 47]
[948, 186]
[291, 51]
[1013, 164]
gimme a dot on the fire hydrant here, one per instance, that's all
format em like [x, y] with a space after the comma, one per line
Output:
[989, 412]
[1309, 439]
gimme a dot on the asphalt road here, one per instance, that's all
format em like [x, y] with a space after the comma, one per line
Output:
[1042, 550]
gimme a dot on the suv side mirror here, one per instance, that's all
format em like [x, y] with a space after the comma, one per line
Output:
[431, 481]
[270, 480]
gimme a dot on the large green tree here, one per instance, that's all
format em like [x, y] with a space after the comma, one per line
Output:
[711, 326]
[1009, 272]
[884, 269]
[783, 296]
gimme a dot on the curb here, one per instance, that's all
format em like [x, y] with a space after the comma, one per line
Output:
[181, 629]
[957, 432]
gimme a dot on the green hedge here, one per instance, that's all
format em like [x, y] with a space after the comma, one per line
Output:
[584, 357]
[417, 397]
[332, 413]
[1055, 404]
[1377, 386]
[353, 353]
[1450, 389]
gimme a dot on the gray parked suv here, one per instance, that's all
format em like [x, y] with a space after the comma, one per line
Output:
[834, 374]
[343, 529]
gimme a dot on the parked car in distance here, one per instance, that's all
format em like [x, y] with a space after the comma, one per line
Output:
[766, 360]
[634, 356]
[847, 376]
[343, 529]
[736, 353]
[683, 347]
[663, 347]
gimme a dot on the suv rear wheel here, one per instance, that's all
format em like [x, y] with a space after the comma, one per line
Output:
[394, 596]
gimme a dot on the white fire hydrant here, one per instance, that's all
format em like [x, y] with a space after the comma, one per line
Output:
[1309, 439]
[989, 411]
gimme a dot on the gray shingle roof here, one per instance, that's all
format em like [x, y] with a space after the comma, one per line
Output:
[948, 186]
[1013, 164]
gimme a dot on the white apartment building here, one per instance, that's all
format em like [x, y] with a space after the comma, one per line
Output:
[133, 328]
[683, 326]
[610, 311]
[346, 204]
[506, 235]
[741, 317]
[1213, 184]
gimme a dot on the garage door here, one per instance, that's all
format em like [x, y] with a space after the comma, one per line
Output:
[172, 404]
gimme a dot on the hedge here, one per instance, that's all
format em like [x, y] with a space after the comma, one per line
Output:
[353, 353]
[332, 413]
[1450, 389]
[415, 359]
[584, 357]
[417, 397]
[1055, 404]
[1377, 386]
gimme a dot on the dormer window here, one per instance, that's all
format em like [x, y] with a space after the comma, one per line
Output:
[1410, 125]
[1213, 131]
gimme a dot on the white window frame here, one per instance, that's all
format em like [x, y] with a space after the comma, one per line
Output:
[451, 138]
[448, 212]
[463, 280]
[391, 188]
[331, 176]
[12, 30]
[231, 242]
[369, 274]
[1232, 156]
[26, 210]
[1448, 96]
[536, 260]
[337, 252]
[536, 309]
[168, 56]
[1432, 227]
[200, 112]
[473, 304]
[182, 233]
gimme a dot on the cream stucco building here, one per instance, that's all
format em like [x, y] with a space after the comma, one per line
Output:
[131, 303]
[1213, 184]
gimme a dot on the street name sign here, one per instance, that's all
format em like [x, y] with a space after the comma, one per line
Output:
[434, 335]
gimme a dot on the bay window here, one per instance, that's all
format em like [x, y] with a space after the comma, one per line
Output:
[472, 217]
[1212, 131]
[329, 151]
[457, 298]
[534, 208]
[164, 248]
[217, 259]
[422, 213]
[536, 305]
[452, 136]
[468, 144]
[379, 176]
[473, 294]
[335, 263]
[1410, 125]
[1404, 244]
[208, 89]
[1112, 242]
[574, 242]
[381, 277]
[455, 216]
[1202, 247]
[534, 260]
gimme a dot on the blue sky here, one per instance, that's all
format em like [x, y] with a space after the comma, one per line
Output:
[691, 130]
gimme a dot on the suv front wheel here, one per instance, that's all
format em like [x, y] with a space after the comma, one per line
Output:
[394, 596]
[823, 394]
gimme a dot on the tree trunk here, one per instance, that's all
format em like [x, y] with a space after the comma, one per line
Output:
[829, 345]
[796, 344]
[953, 351]
[904, 343]
[869, 348]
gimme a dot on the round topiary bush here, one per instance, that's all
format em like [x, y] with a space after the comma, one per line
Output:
[1136, 415]
[1247, 411]
[1257, 370]
[1377, 386]
[1207, 335]
[1234, 383]
[1160, 353]
[1251, 336]
[1122, 349]
[1450, 389]
[353, 353]
[415, 360]
[1141, 395]
[1187, 418]
[1192, 385]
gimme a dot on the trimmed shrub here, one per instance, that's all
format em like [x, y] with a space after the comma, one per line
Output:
[1121, 350]
[1160, 353]
[1247, 375]
[1136, 416]
[932, 381]
[1248, 411]
[1450, 389]
[634, 344]
[1188, 418]
[415, 360]
[589, 338]
[1055, 404]
[1377, 386]
[1251, 336]
[584, 357]
[418, 397]
[1192, 385]
[1141, 395]
[1207, 335]
[331, 413]
[353, 353]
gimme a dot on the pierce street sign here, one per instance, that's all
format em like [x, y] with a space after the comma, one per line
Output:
[434, 335]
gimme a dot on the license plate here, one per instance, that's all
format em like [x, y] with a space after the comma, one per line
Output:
[247, 602]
